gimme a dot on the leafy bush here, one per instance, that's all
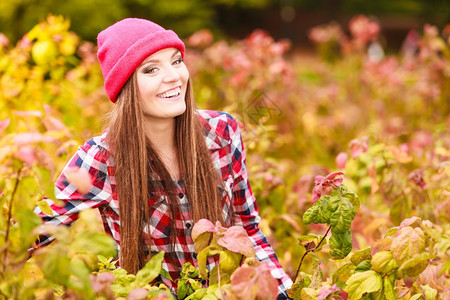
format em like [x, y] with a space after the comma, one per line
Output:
[382, 120]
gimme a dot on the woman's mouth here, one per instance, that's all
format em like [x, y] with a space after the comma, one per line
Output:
[170, 94]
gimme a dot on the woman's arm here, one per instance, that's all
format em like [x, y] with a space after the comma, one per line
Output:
[92, 158]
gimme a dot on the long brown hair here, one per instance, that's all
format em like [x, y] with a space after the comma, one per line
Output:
[136, 162]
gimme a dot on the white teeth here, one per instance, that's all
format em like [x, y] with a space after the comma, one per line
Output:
[171, 93]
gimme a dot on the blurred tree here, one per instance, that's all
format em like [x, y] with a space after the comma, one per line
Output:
[88, 17]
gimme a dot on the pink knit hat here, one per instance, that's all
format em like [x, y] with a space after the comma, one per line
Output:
[123, 46]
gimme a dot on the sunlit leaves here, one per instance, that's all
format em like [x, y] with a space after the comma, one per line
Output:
[229, 243]
[150, 271]
[236, 239]
[337, 210]
[343, 273]
[340, 244]
[342, 217]
[383, 262]
[360, 256]
[254, 282]
[407, 243]
[363, 282]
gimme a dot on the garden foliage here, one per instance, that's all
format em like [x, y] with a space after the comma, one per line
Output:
[375, 229]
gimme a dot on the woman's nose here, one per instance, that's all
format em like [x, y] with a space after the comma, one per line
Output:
[171, 74]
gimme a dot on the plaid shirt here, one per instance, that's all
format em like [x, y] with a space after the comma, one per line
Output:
[224, 141]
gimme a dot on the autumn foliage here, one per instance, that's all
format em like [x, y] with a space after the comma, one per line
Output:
[348, 157]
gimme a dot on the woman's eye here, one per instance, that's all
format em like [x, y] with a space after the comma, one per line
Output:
[178, 61]
[150, 70]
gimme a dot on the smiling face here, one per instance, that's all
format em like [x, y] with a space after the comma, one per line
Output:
[162, 81]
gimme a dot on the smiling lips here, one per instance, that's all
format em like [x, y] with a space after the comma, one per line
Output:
[173, 93]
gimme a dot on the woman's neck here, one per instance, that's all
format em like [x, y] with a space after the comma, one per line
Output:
[161, 134]
[162, 137]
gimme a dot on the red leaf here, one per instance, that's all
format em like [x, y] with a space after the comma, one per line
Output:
[252, 282]
[24, 113]
[138, 294]
[26, 154]
[31, 138]
[202, 226]
[3, 124]
[324, 293]
[341, 160]
[236, 239]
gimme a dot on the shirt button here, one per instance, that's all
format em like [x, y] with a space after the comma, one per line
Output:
[188, 225]
[180, 195]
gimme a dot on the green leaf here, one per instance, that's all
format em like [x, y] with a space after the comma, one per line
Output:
[95, 243]
[310, 216]
[388, 288]
[309, 294]
[363, 266]
[363, 282]
[341, 219]
[188, 270]
[27, 222]
[103, 259]
[195, 284]
[150, 271]
[202, 259]
[81, 283]
[303, 280]
[45, 207]
[400, 209]
[344, 272]
[214, 276]
[183, 289]
[318, 213]
[360, 256]
[415, 265]
[55, 266]
[202, 241]
[430, 293]
[340, 244]
[166, 274]
[352, 197]
[229, 261]
[198, 294]
[383, 262]
[407, 243]
[334, 201]
[316, 278]
[120, 274]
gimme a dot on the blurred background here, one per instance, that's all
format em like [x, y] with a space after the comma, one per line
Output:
[227, 18]
[352, 85]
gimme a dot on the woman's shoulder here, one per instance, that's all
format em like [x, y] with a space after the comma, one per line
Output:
[97, 147]
[220, 127]
[218, 120]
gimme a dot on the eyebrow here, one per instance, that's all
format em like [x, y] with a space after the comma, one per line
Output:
[176, 52]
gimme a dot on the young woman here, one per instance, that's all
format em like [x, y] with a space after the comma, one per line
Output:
[161, 164]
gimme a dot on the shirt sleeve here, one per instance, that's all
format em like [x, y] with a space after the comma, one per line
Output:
[246, 211]
[91, 157]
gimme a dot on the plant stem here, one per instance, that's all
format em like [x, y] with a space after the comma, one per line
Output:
[8, 222]
[310, 250]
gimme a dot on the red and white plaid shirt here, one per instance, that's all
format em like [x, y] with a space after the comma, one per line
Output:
[224, 141]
